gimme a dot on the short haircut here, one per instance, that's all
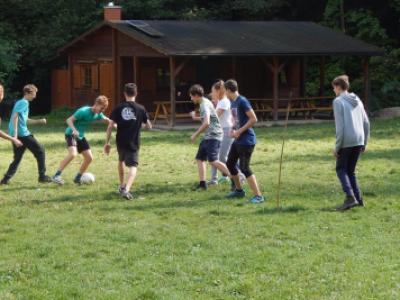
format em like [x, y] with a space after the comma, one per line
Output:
[219, 85]
[130, 89]
[30, 89]
[342, 81]
[196, 90]
[101, 100]
[231, 85]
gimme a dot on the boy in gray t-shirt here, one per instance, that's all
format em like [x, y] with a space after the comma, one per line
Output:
[209, 146]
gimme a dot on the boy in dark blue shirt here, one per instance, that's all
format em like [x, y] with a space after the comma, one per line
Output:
[243, 146]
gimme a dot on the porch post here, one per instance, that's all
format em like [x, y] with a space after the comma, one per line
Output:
[70, 81]
[135, 69]
[275, 74]
[172, 90]
[115, 57]
[367, 87]
[322, 76]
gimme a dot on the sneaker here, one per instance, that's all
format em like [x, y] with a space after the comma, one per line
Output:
[223, 179]
[121, 189]
[57, 179]
[127, 195]
[45, 179]
[236, 194]
[361, 202]
[349, 202]
[257, 199]
[212, 182]
[4, 181]
[77, 181]
[200, 188]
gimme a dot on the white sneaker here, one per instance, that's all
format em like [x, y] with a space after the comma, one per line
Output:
[57, 179]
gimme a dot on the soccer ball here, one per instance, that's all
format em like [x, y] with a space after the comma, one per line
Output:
[87, 178]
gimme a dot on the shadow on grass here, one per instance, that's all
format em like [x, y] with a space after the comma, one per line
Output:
[281, 210]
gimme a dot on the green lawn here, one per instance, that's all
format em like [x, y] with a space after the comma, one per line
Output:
[170, 243]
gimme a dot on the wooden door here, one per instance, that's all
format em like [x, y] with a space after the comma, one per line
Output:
[106, 84]
[60, 90]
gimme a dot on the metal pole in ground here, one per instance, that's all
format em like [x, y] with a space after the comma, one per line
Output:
[278, 195]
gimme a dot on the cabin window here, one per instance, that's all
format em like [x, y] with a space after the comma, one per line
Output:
[163, 78]
[87, 76]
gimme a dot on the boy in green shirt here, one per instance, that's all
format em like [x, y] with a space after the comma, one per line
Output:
[4, 135]
[75, 136]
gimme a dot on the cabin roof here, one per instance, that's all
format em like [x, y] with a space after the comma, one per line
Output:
[227, 38]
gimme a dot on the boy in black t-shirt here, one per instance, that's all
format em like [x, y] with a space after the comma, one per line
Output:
[129, 117]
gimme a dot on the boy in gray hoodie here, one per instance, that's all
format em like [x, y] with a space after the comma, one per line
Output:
[352, 133]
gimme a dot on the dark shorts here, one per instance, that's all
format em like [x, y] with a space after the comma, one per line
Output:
[208, 150]
[80, 144]
[129, 157]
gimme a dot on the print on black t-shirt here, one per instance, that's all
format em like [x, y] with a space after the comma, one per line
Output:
[129, 117]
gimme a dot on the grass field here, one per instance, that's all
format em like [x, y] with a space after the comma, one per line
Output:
[170, 243]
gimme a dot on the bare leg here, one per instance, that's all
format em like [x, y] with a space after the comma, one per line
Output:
[121, 172]
[236, 180]
[220, 166]
[253, 185]
[87, 159]
[72, 153]
[202, 170]
[131, 178]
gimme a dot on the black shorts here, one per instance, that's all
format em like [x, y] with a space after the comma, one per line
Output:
[80, 144]
[208, 150]
[129, 157]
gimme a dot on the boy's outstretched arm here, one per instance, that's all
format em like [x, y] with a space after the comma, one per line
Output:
[107, 146]
[108, 121]
[37, 122]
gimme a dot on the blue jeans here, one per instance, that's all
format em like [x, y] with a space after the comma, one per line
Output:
[345, 170]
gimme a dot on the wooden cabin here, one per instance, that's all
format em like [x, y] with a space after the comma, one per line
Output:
[268, 59]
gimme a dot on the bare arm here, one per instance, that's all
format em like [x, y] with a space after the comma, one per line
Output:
[37, 122]
[250, 123]
[220, 112]
[148, 124]
[203, 127]
[10, 138]
[70, 122]
[107, 146]
[15, 124]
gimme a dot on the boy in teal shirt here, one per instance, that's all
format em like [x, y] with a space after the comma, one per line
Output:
[75, 136]
[18, 130]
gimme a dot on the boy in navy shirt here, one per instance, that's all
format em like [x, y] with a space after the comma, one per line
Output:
[243, 146]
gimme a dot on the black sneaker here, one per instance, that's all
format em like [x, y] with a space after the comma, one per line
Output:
[200, 187]
[45, 179]
[361, 202]
[4, 181]
[348, 203]
[77, 181]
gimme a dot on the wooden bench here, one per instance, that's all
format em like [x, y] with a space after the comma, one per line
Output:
[163, 111]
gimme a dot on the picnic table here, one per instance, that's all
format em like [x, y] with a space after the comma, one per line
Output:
[163, 111]
[306, 105]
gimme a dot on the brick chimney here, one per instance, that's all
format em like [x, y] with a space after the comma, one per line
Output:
[112, 12]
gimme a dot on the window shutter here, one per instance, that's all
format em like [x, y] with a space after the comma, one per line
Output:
[77, 79]
[95, 77]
